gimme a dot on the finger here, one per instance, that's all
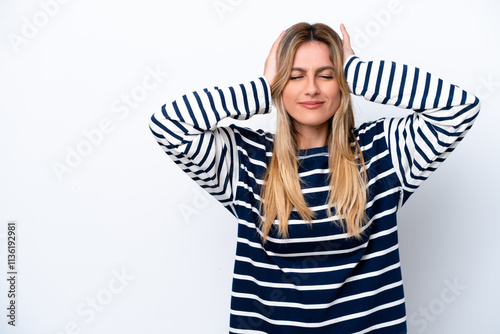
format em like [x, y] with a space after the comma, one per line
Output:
[276, 43]
[345, 35]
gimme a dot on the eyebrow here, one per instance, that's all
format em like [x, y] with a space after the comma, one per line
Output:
[323, 68]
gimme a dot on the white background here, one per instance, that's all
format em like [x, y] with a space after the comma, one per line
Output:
[125, 209]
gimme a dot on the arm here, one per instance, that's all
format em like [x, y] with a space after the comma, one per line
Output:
[418, 143]
[443, 113]
[187, 131]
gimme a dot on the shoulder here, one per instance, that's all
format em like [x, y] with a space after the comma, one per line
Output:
[372, 138]
[370, 131]
[255, 144]
[245, 136]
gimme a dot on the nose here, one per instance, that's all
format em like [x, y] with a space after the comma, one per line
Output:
[312, 87]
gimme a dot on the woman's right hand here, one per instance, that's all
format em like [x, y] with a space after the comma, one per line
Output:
[271, 67]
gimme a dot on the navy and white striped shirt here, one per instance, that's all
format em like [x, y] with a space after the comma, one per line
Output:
[318, 280]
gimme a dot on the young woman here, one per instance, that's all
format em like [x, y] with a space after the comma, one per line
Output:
[316, 203]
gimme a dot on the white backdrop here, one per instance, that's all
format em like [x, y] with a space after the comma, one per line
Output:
[113, 238]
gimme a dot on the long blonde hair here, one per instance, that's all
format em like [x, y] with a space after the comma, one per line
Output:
[281, 190]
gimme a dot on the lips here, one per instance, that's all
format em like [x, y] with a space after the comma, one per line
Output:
[311, 104]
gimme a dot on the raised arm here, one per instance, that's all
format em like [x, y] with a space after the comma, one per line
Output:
[418, 143]
[187, 131]
[443, 113]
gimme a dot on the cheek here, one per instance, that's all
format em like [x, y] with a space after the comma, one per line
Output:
[335, 96]
[289, 96]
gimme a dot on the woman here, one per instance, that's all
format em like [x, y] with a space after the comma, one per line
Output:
[317, 247]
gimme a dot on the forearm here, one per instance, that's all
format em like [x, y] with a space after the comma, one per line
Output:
[439, 103]
[193, 114]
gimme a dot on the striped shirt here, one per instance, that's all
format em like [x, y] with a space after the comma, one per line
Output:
[318, 280]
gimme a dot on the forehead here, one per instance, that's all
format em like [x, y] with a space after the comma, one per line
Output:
[312, 55]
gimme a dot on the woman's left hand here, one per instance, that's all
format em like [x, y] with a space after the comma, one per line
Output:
[346, 43]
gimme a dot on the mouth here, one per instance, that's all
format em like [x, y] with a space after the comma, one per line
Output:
[311, 104]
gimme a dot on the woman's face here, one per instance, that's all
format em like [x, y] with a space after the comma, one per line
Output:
[312, 95]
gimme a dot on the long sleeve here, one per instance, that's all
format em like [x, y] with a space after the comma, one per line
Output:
[187, 131]
[419, 143]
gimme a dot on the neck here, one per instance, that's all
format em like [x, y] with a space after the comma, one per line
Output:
[311, 137]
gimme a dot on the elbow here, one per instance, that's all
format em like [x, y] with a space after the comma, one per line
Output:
[156, 120]
[475, 107]
[472, 105]
[471, 112]
[478, 104]
[156, 128]
[152, 123]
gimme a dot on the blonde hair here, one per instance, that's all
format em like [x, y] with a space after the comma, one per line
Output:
[281, 190]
